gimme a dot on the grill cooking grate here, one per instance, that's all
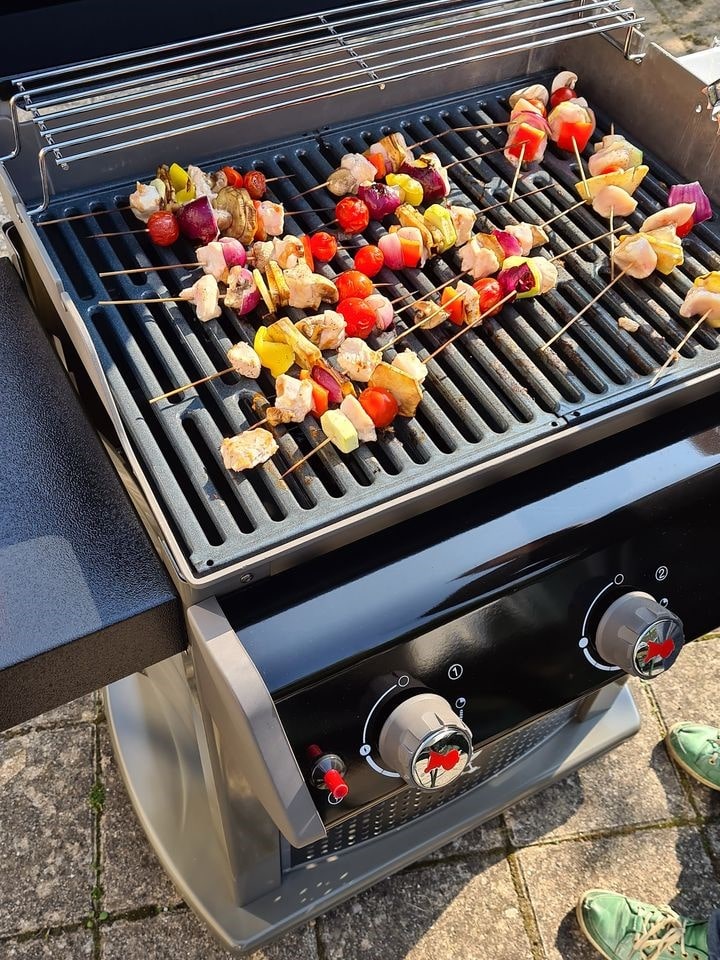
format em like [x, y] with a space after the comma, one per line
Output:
[491, 393]
[410, 803]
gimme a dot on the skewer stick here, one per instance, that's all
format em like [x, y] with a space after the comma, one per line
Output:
[517, 174]
[195, 383]
[581, 166]
[612, 243]
[444, 133]
[478, 156]
[587, 306]
[580, 203]
[674, 354]
[587, 243]
[307, 456]
[124, 303]
[169, 266]
[427, 293]
[520, 196]
[465, 329]
[421, 323]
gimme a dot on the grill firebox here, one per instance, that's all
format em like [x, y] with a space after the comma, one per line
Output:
[491, 394]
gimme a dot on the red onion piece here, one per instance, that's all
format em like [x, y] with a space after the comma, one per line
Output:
[244, 286]
[234, 252]
[326, 379]
[380, 199]
[516, 279]
[197, 220]
[430, 179]
[392, 251]
[691, 193]
[511, 246]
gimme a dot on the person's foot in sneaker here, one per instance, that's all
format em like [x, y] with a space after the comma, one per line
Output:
[624, 929]
[696, 748]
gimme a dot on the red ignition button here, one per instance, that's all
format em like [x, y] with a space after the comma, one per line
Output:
[335, 783]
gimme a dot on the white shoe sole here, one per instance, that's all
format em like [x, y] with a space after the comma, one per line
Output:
[682, 763]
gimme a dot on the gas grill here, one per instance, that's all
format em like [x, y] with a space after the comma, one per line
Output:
[384, 648]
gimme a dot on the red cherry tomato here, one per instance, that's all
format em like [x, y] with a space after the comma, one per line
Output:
[323, 246]
[255, 183]
[369, 260]
[352, 283]
[352, 215]
[380, 405]
[561, 95]
[234, 177]
[491, 293]
[163, 228]
[360, 318]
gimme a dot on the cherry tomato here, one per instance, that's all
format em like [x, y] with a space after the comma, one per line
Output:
[369, 260]
[255, 183]
[490, 294]
[380, 405]
[163, 228]
[360, 318]
[561, 95]
[352, 283]
[352, 215]
[323, 246]
[234, 177]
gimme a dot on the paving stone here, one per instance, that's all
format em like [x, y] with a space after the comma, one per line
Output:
[690, 692]
[45, 829]
[179, 934]
[64, 946]
[646, 789]
[131, 873]
[680, 26]
[663, 866]
[488, 836]
[82, 710]
[464, 910]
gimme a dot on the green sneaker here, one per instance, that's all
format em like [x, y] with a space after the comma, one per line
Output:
[696, 749]
[624, 929]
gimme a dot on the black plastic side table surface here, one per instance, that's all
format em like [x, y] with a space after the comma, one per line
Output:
[84, 598]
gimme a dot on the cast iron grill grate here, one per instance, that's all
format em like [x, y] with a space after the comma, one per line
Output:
[491, 394]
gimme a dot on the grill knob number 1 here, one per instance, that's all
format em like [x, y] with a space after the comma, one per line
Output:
[639, 635]
[425, 741]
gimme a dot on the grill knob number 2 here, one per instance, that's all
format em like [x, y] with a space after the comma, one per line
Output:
[639, 635]
[425, 741]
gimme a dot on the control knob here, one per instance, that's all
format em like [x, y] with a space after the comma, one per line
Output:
[425, 741]
[639, 635]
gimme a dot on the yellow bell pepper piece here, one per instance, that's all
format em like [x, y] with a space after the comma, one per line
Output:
[181, 183]
[710, 281]
[440, 218]
[340, 431]
[277, 357]
[667, 247]
[411, 190]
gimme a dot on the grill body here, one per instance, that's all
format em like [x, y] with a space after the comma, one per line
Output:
[472, 552]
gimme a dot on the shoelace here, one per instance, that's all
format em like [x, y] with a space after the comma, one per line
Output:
[714, 747]
[662, 934]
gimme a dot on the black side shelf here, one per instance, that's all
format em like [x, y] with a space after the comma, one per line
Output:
[84, 598]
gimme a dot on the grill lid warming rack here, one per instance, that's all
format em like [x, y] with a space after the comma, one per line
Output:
[89, 111]
[494, 403]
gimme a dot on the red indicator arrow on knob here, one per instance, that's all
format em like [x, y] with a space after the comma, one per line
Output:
[445, 760]
[659, 649]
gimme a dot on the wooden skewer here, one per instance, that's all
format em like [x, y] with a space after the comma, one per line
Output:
[587, 243]
[195, 383]
[580, 203]
[169, 266]
[124, 303]
[421, 323]
[469, 326]
[612, 243]
[517, 174]
[478, 156]
[307, 456]
[444, 133]
[587, 306]
[582, 167]
[674, 354]
[520, 196]
[427, 293]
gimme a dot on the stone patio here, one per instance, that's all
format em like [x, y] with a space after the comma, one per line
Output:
[80, 880]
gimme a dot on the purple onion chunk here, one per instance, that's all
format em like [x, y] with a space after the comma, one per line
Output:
[234, 252]
[434, 187]
[691, 193]
[516, 279]
[380, 199]
[197, 221]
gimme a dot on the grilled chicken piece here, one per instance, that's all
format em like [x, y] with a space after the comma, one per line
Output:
[244, 360]
[212, 260]
[204, 295]
[357, 359]
[271, 217]
[698, 301]
[636, 255]
[674, 216]
[359, 167]
[248, 449]
[615, 200]
[470, 302]
[478, 260]
[523, 234]
[288, 252]
[548, 273]
[293, 396]
[409, 362]
[326, 330]
[145, 201]
[201, 181]
[262, 252]
[353, 410]
[307, 289]
[432, 312]
[463, 219]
